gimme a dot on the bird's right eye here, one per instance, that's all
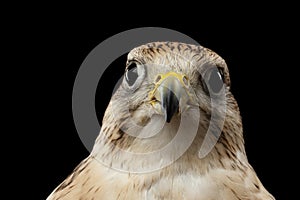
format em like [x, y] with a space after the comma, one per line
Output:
[131, 74]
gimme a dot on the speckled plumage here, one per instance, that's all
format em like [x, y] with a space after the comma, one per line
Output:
[224, 174]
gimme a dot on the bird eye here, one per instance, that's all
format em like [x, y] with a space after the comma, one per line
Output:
[131, 74]
[213, 80]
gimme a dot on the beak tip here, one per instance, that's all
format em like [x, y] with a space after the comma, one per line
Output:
[168, 118]
[170, 110]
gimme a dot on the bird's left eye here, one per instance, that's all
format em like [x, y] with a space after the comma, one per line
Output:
[214, 80]
[131, 74]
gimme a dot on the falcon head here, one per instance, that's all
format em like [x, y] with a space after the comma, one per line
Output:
[171, 77]
[171, 87]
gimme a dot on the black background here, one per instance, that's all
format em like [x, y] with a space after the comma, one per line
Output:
[255, 51]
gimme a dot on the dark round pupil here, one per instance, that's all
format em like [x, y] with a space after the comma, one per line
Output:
[131, 75]
[215, 81]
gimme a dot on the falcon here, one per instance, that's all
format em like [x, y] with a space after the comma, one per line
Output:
[172, 130]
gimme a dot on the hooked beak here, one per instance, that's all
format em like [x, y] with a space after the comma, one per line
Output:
[170, 103]
[171, 92]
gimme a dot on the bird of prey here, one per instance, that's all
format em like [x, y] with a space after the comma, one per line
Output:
[168, 89]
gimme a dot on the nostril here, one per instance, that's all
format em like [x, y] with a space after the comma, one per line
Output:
[185, 80]
[158, 78]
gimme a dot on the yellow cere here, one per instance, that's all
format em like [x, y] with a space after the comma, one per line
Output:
[180, 77]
